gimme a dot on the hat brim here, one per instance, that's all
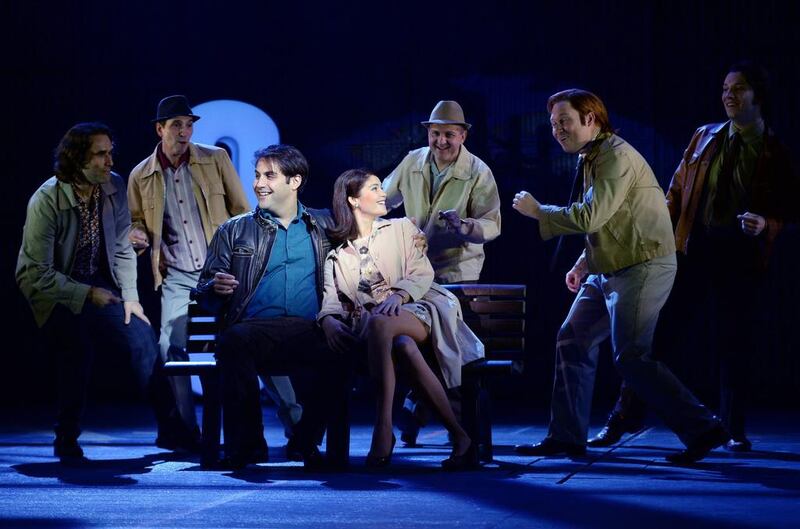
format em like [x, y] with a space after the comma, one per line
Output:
[445, 122]
[164, 118]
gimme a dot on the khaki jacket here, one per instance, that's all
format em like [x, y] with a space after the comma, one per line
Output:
[470, 189]
[217, 189]
[50, 237]
[623, 211]
[404, 267]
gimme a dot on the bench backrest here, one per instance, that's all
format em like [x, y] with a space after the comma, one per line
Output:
[495, 313]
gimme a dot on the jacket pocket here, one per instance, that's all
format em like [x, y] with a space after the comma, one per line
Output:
[621, 227]
[217, 210]
[241, 259]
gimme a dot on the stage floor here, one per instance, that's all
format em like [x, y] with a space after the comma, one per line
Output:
[131, 483]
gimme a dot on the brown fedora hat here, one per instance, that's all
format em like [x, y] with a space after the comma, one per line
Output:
[447, 113]
[173, 106]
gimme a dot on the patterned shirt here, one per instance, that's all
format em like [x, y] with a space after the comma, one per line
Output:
[87, 251]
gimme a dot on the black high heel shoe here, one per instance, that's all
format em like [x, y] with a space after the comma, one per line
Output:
[374, 461]
[467, 460]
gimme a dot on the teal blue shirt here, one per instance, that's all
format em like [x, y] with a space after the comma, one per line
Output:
[288, 287]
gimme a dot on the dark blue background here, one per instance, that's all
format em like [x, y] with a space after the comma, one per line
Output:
[348, 83]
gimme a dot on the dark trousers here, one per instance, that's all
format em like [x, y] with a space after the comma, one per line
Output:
[77, 337]
[278, 346]
[721, 276]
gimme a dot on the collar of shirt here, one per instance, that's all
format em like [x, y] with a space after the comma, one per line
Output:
[590, 150]
[165, 163]
[749, 134]
[270, 217]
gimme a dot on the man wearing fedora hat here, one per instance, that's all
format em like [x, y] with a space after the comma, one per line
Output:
[178, 197]
[453, 197]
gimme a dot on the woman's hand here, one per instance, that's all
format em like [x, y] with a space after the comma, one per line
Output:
[391, 306]
[339, 337]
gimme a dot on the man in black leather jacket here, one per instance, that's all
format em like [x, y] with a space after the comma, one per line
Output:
[263, 277]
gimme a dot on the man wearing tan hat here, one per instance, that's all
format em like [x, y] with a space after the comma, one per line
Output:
[452, 195]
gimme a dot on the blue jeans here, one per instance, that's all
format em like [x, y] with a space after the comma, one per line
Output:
[624, 306]
[76, 337]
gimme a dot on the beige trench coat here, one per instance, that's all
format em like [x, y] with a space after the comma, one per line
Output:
[404, 267]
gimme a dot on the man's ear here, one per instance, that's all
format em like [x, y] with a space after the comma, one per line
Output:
[590, 119]
[295, 182]
[159, 129]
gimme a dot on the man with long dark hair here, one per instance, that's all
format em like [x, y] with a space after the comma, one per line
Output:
[728, 200]
[621, 279]
[78, 272]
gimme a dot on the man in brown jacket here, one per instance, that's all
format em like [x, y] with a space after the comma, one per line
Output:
[728, 200]
[178, 197]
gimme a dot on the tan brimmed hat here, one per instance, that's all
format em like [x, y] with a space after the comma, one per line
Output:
[447, 113]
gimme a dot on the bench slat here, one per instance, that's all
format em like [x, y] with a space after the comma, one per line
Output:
[491, 326]
[495, 290]
[478, 306]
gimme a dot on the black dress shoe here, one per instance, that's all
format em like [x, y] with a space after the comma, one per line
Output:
[314, 460]
[467, 460]
[233, 462]
[376, 461]
[68, 450]
[716, 436]
[741, 444]
[551, 447]
[293, 451]
[612, 432]
[180, 439]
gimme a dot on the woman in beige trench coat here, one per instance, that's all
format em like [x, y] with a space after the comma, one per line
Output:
[379, 289]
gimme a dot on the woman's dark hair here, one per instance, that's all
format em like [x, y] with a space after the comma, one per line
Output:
[72, 152]
[348, 184]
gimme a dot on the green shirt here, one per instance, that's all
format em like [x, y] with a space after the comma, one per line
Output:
[752, 145]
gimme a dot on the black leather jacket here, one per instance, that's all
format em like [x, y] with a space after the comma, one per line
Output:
[241, 247]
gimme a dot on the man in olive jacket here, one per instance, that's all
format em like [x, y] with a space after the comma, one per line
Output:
[629, 267]
[77, 270]
[726, 244]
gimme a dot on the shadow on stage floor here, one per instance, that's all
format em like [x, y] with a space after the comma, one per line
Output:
[128, 482]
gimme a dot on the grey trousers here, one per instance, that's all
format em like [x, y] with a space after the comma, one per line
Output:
[624, 306]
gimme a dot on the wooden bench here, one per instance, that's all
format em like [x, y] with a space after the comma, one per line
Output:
[496, 314]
